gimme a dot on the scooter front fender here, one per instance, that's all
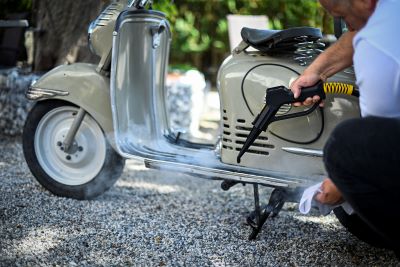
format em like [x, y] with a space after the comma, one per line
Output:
[79, 84]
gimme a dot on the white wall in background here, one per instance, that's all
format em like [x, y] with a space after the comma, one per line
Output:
[237, 22]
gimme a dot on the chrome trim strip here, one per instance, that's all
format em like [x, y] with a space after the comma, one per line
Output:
[36, 93]
[304, 151]
[214, 173]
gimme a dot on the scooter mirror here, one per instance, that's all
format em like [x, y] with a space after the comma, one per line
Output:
[340, 26]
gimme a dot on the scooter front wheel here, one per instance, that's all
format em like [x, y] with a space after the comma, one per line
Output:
[86, 170]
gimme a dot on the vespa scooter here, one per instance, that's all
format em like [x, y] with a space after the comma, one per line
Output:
[89, 118]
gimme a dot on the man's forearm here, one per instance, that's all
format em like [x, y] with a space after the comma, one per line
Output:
[334, 59]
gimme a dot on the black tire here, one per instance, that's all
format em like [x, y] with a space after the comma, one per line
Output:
[355, 225]
[110, 171]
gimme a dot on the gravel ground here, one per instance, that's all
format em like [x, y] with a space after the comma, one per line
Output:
[156, 218]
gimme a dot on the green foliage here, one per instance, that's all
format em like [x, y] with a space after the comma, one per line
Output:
[200, 28]
[14, 6]
[193, 40]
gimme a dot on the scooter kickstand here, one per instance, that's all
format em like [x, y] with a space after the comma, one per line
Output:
[260, 215]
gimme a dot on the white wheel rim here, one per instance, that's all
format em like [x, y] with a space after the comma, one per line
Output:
[76, 168]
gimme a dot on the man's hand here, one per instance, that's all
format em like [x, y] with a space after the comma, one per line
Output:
[334, 59]
[305, 80]
[330, 193]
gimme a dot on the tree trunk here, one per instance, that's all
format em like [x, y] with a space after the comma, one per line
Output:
[62, 31]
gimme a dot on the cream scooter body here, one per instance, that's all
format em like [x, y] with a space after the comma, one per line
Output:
[141, 125]
[123, 98]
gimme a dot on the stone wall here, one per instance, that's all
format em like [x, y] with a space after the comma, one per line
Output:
[14, 107]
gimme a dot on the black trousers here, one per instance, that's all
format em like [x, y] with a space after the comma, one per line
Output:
[362, 158]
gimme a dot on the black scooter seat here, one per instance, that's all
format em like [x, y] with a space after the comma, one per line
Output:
[275, 40]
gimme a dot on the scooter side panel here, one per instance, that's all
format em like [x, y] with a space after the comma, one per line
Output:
[243, 80]
[83, 86]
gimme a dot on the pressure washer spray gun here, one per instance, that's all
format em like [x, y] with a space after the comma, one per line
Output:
[275, 98]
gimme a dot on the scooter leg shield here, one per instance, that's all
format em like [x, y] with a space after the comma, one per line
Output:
[138, 71]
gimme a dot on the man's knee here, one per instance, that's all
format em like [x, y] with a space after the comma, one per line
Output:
[358, 139]
[339, 146]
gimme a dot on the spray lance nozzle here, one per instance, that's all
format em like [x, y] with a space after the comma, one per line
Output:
[275, 98]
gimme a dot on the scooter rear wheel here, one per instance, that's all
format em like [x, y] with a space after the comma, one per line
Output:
[87, 170]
